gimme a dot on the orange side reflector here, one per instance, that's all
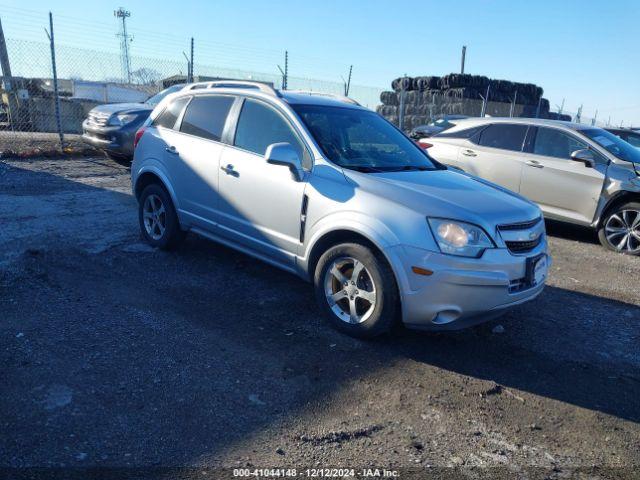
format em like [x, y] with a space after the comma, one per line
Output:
[421, 271]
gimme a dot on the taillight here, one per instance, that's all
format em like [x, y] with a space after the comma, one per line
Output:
[138, 136]
[424, 144]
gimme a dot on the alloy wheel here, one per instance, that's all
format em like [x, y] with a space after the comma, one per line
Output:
[154, 216]
[350, 290]
[622, 231]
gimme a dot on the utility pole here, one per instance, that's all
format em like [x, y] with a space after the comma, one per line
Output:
[4, 61]
[188, 67]
[347, 84]
[538, 107]
[191, 63]
[125, 59]
[513, 103]
[55, 80]
[485, 101]
[593, 120]
[579, 114]
[464, 54]
[560, 107]
[285, 72]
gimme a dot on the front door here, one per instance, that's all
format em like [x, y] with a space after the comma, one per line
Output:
[564, 188]
[260, 203]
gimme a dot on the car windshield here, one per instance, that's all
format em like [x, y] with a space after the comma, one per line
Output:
[362, 140]
[157, 98]
[613, 144]
[442, 122]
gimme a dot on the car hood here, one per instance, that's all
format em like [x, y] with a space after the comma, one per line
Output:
[449, 194]
[111, 108]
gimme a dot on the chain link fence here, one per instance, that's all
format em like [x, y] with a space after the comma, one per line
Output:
[87, 77]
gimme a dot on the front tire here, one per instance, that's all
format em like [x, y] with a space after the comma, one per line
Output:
[356, 289]
[159, 223]
[620, 229]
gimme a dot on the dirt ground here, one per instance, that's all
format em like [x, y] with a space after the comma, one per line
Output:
[121, 358]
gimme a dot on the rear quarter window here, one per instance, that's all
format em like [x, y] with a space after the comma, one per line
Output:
[170, 114]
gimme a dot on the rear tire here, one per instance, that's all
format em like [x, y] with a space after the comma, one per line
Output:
[159, 223]
[620, 229]
[356, 289]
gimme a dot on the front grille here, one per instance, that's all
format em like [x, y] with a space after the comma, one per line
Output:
[98, 119]
[523, 247]
[520, 226]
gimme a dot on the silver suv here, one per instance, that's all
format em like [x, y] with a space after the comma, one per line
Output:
[576, 173]
[332, 192]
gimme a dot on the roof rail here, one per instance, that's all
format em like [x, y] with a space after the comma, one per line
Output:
[341, 98]
[263, 87]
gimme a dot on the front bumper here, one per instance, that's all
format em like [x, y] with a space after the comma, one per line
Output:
[462, 291]
[117, 139]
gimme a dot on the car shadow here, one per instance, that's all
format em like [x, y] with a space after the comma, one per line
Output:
[569, 231]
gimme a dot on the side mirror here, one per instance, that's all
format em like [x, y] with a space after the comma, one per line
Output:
[585, 156]
[284, 154]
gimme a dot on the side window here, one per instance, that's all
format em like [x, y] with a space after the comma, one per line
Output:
[205, 116]
[259, 126]
[504, 136]
[169, 115]
[466, 133]
[551, 142]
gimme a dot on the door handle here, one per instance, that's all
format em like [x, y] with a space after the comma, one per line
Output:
[469, 153]
[229, 170]
[172, 149]
[534, 163]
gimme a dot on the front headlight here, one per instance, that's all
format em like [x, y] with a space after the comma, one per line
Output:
[122, 119]
[459, 238]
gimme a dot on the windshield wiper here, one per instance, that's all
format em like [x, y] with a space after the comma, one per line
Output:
[363, 168]
[408, 168]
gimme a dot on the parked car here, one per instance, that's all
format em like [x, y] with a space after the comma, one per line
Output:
[326, 189]
[439, 124]
[111, 127]
[628, 135]
[576, 173]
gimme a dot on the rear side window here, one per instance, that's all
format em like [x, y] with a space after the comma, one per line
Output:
[504, 136]
[466, 133]
[259, 126]
[555, 143]
[205, 116]
[168, 117]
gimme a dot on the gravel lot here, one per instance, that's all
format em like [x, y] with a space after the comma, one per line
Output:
[115, 355]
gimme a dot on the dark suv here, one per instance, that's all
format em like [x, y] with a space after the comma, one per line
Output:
[112, 127]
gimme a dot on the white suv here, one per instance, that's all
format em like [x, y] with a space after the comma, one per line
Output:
[576, 173]
[332, 192]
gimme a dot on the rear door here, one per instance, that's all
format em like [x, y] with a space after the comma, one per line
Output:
[563, 188]
[496, 154]
[445, 147]
[193, 154]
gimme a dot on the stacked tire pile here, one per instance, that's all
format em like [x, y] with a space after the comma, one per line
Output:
[457, 94]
